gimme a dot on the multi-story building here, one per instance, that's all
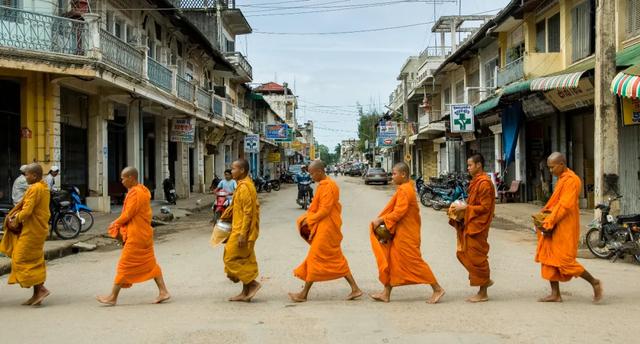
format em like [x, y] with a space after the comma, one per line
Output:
[94, 87]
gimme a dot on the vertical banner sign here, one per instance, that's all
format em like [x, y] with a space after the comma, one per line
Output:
[252, 143]
[462, 120]
[387, 133]
[183, 130]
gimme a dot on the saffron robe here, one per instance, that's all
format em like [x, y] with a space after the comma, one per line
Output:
[473, 247]
[137, 261]
[400, 261]
[557, 253]
[324, 260]
[26, 249]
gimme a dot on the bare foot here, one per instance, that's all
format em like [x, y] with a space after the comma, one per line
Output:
[29, 302]
[597, 291]
[162, 298]
[252, 291]
[478, 298]
[436, 296]
[40, 297]
[238, 297]
[106, 300]
[297, 297]
[379, 297]
[354, 295]
[489, 284]
[551, 298]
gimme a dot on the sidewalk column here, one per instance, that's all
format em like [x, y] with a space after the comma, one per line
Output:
[162, 154]
[182, 171]
[134, 127]
[98, 197]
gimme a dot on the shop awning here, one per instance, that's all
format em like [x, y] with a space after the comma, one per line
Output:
[626, 84]
[517, 87]
[487, 104]
[562, 81]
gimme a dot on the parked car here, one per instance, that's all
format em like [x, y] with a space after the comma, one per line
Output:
[354, 171]
[376, 175]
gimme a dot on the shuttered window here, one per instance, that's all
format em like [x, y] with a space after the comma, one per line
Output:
[460, 92]
[581, 31]
[490, 73]
[541, 36]
[553, 34]
[633, 18]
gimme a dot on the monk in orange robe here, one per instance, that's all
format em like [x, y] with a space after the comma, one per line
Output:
[473, 231]
[400, 260]
[137, 261]
[240, 262]
[325, 260]
[26, 249]
[557, 250]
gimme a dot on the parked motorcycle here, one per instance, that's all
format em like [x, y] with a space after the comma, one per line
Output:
[442, 197]
[220, 205]
[169, 191]
[262, 185]
[305, 194]
[419, 184]
[64, 221]
[275, 184]
[614, 237]
[287, 178]
[82, 210]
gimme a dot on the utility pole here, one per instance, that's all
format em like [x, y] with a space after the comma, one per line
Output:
[606, 161]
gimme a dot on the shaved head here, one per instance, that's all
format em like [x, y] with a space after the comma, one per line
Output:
[316, 169]
[130, 171]
[240, 169]
[243, 164]
[402, 168]
[317, 165]
[557, 163]
[558, 158]
[34, 168]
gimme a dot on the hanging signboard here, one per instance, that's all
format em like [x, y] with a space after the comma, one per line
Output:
[274, 157]
[183, 130]
[462, 119]
[277, 131]
[631, 111]
[572, 98]
[388, 129]
[252, 143]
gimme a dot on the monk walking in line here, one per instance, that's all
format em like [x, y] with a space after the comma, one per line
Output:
[240, 262]
[558, 240]
[325, 260]
[25, 247]
[400, 260]
[137, 261]
[473, 231]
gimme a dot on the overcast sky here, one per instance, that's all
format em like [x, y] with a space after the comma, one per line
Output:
[331, 73]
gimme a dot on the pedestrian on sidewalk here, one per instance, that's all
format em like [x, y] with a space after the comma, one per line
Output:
[50, 178]
[25, 246]
[239, 257]
[137, 261]
[324, 261]
[558, 238]
[400, 260]
[20, 186]
[473, 231]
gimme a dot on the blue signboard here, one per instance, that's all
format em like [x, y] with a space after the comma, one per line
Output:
[277, 131]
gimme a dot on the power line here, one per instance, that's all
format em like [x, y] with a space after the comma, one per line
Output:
[342, 32]
[329, 8]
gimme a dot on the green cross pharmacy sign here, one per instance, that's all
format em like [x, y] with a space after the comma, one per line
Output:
[462, 119]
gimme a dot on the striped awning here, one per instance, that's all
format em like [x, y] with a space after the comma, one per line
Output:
[626, 85]
[562, 81]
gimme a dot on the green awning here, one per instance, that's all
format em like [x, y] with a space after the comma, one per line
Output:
[629, 56]
[257, 96]
[517, 87]
[562, 81]
[486, 105]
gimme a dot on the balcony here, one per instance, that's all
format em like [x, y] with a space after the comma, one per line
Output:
[203, 98]
[241, 64]
[159, 75]
[442, 52]
[185, 89]
[513, 71]
[121, 55]
[241, 117]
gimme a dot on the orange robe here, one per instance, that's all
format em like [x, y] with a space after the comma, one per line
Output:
[473, 248]
[400, 261]
[557, 252]
[240, 264]
[325, 260]
[137, 261]
[26, 249]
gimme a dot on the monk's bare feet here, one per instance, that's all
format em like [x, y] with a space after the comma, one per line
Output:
[29, 302]
[40, 296]
[297, 297]
[238, 297]
[551, 298]
[490, 284]
[107, 300]
[436, 296]
[478, 298]
[252, 291]
[381, 297]
[354, 295]
[597, 291]
[162, 298]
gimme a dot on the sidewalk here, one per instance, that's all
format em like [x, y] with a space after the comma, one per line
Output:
[56, 248]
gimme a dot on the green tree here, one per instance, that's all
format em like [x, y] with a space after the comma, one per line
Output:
[367, 127]
[337, 151]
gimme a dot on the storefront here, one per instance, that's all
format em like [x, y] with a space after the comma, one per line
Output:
[9, 136]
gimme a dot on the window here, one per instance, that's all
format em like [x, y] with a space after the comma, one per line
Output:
[447, 97]
[553, 34]
[581, 27]
[633, 18]
[490, 73]
[541, 36]
[118, 29]
[460, 92]
[9, 14]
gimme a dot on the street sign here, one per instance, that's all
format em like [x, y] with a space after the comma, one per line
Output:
[252, 143]
[462, 119]
[277, 131]
[183, 130]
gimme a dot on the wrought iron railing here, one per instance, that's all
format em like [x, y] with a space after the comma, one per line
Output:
[217, 106]
[241, 118]
[40, 32]
[185, 88]
[238, 59]
[228, 110]
[436, 52]
[120, 54]
[203, 98]
[514, 71]
[159, 75]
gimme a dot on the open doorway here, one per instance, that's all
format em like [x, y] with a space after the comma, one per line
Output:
[9, 136]
[117, 137]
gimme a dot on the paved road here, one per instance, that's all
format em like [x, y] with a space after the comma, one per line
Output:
[199, 312]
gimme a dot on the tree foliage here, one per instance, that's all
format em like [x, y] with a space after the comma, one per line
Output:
[367, 127]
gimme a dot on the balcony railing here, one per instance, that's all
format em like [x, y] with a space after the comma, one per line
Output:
[39, 32]
[228, 110]
[184, 88]
[241, 118]
[120, 54]
[238, 59]
[203, 98]
[159, 75]
[514, 71]
[436, 52]
[218, 107]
